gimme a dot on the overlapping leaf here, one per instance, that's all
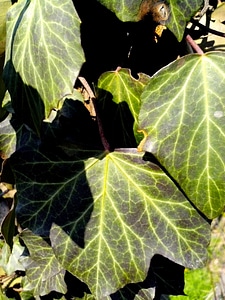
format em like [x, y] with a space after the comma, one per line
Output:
[125, 88]
[44, 48]
[113, 213]
[183, 114]
[44, 273]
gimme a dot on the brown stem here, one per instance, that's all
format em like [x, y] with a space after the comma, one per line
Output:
[207, 29]
[193, 44]
[95, 109]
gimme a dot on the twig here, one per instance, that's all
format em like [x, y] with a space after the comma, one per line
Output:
[95, 109]
[207, 29]
[193, 44]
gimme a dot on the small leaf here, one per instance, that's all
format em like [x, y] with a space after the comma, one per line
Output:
[183, 113]
[44, 49]
[125, 88]
[7, 138]
[9, 260]
[43, 272]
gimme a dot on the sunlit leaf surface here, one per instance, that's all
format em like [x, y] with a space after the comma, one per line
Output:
[44, 48]
[125, 88]
[126, 10]
[5, 5]
[183, 114]
[7, 138]
[44, 273]
[112, 212]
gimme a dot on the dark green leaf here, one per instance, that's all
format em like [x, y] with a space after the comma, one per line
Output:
[181, 11]
[43, 272]
[183, 113]
[44, 48]
[113, 213]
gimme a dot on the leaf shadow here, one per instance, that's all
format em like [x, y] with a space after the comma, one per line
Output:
[48, 164]
[165, 275]
[26, 102]
[117, 121]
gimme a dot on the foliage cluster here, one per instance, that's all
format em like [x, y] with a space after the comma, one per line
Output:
[107, 194]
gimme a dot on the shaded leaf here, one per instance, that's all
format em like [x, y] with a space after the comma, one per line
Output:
[8, 225]
[183, 114]
[125, 88]
[106, 206]
[44, 48]
[152, 202]
[43, 272]
[3, 112]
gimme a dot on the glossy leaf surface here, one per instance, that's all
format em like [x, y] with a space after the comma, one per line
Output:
[110, 219]
[44, 49]
[183, 114]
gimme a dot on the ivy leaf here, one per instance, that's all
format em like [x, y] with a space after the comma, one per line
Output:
[125, 88]
[125, 10]
[180, 13]
[9, 259]
[7, 138]
[44, 50]
[43, 272]
[183, 113]
[5, 5]
[113, 213]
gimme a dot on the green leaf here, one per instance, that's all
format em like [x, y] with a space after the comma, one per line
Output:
[125, 88]
[125, 10]
[180, 12]
[43, 272]
[5, 5]
[7, 138]
[117, 218]
[183, 113]
[9, 260]
[44, 49]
